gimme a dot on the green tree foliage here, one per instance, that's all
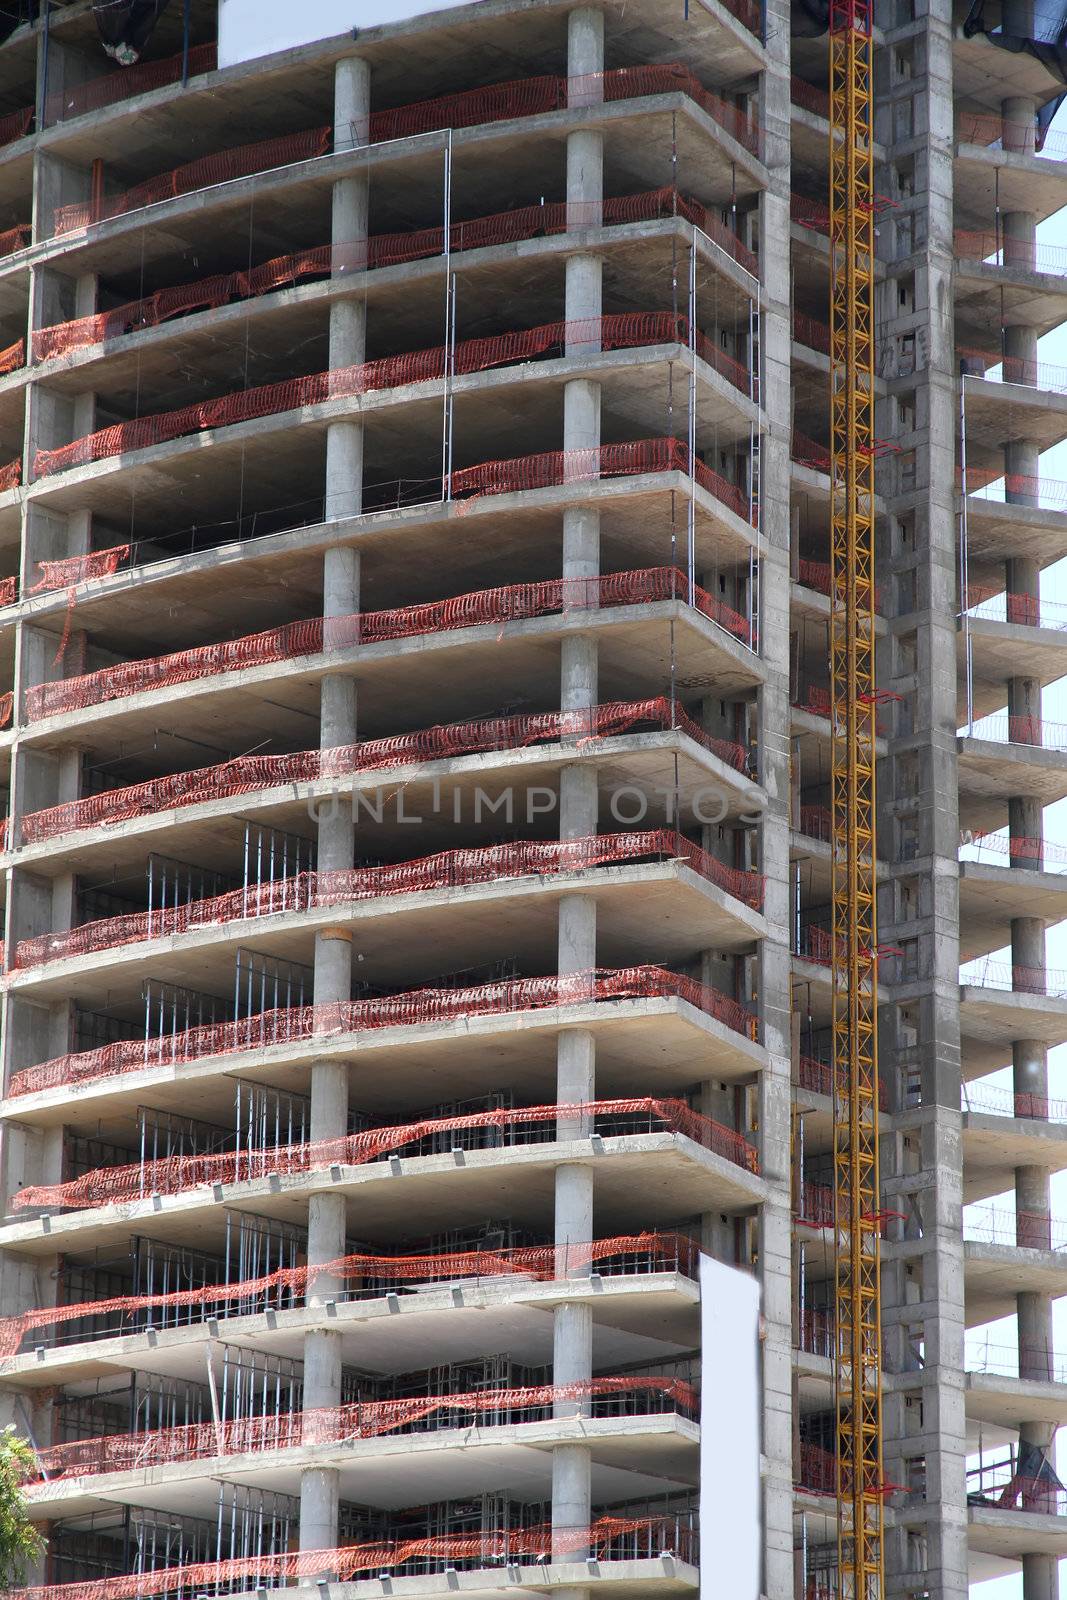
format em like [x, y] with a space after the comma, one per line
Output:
[20, 1543]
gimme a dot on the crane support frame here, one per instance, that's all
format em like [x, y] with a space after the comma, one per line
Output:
[857, 1205]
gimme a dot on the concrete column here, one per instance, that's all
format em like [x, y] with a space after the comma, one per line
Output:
[575, 1051]
[1022, 468]
[1018, 231]
[319, 1490]
[1026, 833]
[1024, 710]
[348, 318]
[1019, 113]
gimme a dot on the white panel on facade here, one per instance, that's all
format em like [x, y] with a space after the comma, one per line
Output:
[250, 28]
[730, 1522]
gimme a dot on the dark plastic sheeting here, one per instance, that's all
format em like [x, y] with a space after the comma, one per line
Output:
[126, 26]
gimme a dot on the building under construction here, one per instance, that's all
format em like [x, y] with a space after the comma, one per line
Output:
[414, 1068]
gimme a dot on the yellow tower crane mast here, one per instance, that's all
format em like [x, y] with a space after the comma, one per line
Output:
[857, 1205]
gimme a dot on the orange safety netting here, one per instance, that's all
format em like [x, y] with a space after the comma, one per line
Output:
[73, 570]
[1018, 483]
[16, 124]
[809, 213]
[15, 238]
[809, 96]
[554, 467]
[175, 1174]
[508, 603]
[625, 330]
[246, 774]
[447, 869]
[301, 1025]
[326, 1425]
[222, 167]
[9, 591]
[112, 87]
[818, 575]
[809, 452]
[659, 1251]
[11, 475]
[528, 97]
[7, 706]
[813, 698]
[806, 330]
[491, 1546]
[382, 250]
[817, 822]
[13, 357]
[497, 102]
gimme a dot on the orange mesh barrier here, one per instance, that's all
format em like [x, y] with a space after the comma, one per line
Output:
[491, 1547]
[13, 357]
[363, 1419]
[660, 1251]
[815, 699]
[303, 1024]
[816, 822]
[806, 330]
[11, 475]
[7, 706]
[9, 591]
[529, 97]
[246, 774]
[809, 97]
[447, 869]
[818, 1077]
[809, 453]
[292, 640]
[1049, 492]
[15, 125]
[221, 167]
[818, 1470]
[112, 87]
[3, 833]
[497, 102]
[998, 250]
[600, 461]
[79, 569]
[14, 239]
[817, 575]
[381, 250]
[747, 13]
[626, 330]
[809, 213]
[175, 1174]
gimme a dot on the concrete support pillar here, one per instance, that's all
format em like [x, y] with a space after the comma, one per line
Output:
[319, 1491]
[1040, 1578]
[1019, 113]
[1024, 710]
[1026, 833]
[1022, 470]
[348, 318]
[1018, 230]
[575, 1050]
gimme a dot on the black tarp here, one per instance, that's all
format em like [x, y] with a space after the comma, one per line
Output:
[1049, 46]
[127, 25]
[809, 18]
[13, 13]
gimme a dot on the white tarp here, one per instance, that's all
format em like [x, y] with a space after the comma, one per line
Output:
[730, 1521]
[250, 28]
